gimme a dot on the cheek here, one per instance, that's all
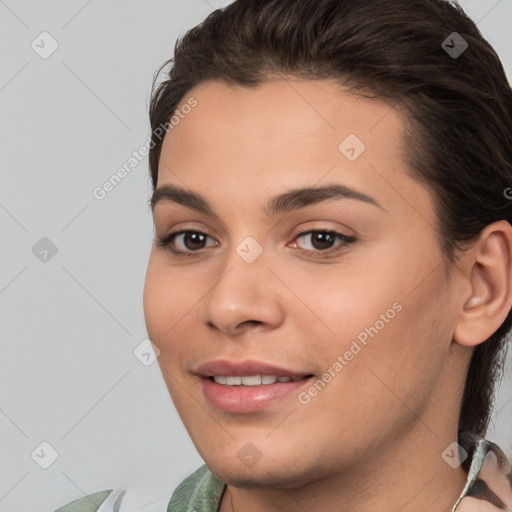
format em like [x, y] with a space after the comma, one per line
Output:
[154, 301]
[385, 309]
[403, 349]
[350, 297]
[168, 308]
[387, 364]
[168, 301]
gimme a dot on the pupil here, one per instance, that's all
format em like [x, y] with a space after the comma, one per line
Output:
[194, 240]
[323, 240]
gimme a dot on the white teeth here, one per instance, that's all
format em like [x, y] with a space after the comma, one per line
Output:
[252, 380]
[249, 380]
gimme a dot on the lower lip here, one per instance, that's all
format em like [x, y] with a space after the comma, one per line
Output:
[248, 399]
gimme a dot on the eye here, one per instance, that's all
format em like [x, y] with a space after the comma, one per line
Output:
[325, 241]
[188, 242]
[185, 242]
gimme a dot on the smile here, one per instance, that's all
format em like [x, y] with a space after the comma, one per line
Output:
[250, 380]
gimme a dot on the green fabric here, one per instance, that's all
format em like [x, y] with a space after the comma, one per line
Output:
[89, 503]
[200, 492]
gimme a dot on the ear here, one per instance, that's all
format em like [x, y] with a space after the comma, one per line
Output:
[487, 270]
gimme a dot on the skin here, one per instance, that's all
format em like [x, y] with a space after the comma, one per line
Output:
[372, 439]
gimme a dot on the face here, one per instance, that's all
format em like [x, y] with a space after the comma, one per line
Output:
[285, 248]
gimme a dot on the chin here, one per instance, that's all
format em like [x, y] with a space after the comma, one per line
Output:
[270, 474]
[260, 479]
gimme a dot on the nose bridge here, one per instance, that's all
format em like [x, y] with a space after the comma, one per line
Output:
[244, 266]
[243, 291]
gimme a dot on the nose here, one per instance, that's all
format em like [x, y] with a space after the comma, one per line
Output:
[245, 298]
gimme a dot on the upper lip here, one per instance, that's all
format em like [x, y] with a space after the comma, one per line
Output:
[245, 368]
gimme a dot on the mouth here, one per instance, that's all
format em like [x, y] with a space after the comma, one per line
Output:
[248, 386]
[253, 373]
[253, 380]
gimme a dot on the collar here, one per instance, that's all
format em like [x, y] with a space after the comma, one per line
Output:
[489, 484]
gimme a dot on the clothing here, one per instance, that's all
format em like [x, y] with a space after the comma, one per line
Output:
[488, 488]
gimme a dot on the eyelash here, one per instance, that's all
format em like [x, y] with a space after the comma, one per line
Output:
[166, 242]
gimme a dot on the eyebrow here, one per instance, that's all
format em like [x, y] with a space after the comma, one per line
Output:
[288, 201]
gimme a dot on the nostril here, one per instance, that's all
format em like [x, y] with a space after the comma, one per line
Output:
[252, 322]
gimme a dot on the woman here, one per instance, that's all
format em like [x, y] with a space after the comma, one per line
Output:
[330, 283]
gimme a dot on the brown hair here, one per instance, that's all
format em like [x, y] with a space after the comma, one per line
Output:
[458, 109]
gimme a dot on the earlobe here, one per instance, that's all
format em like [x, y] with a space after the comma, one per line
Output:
[489, 275]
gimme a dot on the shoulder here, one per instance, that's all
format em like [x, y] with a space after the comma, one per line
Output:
[89, 503]
[201, 491]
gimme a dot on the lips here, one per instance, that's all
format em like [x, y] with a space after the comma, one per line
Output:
[265, 384]
[246, 369]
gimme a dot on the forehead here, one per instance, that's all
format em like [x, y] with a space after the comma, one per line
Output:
[286, 134]
[286, 116]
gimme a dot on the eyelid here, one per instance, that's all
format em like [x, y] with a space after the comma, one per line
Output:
[345, 240]
[167, 240]
[169, 215]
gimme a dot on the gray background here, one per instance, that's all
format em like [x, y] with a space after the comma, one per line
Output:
[69, 326]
